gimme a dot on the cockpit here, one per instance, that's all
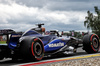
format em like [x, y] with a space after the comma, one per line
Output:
[52, 32]
[40, 31]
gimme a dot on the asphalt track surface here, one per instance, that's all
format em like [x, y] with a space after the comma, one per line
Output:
[9, 62]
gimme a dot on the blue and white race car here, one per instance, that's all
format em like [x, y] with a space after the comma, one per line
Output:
[36, 43]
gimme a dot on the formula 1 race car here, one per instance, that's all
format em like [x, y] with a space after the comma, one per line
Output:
[37, 43]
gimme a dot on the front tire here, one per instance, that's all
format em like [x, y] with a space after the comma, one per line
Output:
[91, 43]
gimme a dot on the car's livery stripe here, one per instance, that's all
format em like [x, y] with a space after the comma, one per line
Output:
[62, 59]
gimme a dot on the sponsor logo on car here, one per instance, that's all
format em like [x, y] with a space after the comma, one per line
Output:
[56, 44]
[16, 35]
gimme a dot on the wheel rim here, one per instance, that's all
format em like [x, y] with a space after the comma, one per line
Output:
[38, 49]
[95, 43]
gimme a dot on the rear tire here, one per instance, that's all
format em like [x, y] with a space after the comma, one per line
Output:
[1, 55]
[32, 49]
[37, 50]
[91, 43]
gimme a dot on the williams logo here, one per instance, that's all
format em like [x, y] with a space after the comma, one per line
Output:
[56, 44]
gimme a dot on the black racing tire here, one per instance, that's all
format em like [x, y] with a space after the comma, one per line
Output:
[15, 57]
[1, 55]
[32, 48]
[91, 43]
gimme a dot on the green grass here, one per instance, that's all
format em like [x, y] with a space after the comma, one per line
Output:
[2, 42]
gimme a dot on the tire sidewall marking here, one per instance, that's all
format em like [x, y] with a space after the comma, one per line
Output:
[33, 51]
[92, 42]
